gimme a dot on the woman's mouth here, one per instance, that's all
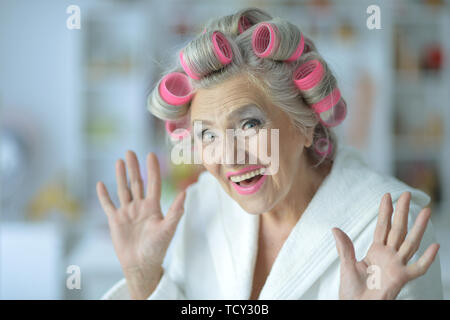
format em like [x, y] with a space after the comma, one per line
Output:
[249, 180]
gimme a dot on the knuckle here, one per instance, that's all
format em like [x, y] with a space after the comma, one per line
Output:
[136, 182]
[382, 222]
[398, 229]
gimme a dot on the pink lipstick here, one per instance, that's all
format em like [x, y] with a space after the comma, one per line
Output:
[249, 185]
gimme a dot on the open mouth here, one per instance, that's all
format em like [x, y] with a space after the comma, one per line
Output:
[249, 181]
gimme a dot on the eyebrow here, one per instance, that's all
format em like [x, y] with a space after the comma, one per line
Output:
[245, 110]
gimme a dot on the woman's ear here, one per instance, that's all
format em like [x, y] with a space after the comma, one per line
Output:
[309, 137]
[305, 136]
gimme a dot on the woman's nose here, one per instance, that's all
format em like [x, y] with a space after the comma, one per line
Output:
[228, 150]
[238, 149]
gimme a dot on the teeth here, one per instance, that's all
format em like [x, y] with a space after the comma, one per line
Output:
[247, 175]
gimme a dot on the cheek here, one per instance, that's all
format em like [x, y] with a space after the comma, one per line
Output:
[213, 169]
[267, 140]
[290, 157]
[212, 153]
[291, 145]
[253, 146]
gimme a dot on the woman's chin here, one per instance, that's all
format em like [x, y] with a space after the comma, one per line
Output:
[253, 201]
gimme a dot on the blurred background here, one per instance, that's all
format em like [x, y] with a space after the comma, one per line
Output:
[72, 101]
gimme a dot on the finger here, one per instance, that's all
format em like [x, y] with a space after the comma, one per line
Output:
[384, 220]
[344, 246]
[153, 177]
[414, 237]
[136, 184]
[175, 212]
[400, 225]
[122, 184]
[421, 266]
[105, 200]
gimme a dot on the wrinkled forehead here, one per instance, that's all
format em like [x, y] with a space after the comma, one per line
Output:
[223, 101]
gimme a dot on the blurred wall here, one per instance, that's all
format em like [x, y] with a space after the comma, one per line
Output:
[78, 98]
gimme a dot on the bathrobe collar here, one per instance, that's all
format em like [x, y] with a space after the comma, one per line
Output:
[348, 198]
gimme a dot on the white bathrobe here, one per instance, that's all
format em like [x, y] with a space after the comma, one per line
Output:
[213, 253]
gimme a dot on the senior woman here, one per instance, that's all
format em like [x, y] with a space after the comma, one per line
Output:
[266, 230]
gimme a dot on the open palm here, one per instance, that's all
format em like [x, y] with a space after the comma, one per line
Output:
[383, 272]
[139, 231]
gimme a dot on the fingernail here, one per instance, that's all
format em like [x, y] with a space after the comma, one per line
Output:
[388, 197]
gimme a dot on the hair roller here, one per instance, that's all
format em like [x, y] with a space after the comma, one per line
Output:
[323, 147]
[243, 24]
[175, 89]
[249, 17]
[331, 109]
[178, 129]
[309, 46]
[218, 53]
[237, 23]
[278, 40]
[171, 97]
[308, 75]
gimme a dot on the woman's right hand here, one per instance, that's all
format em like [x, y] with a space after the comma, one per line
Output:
[139, 231]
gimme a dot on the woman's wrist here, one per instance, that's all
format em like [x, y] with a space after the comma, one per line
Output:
[380, 294]
[141, 283]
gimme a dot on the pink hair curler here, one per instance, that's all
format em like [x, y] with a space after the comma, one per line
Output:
[307, 48]
[332, 109]
[222, 48]
[175, 89]
[308, 75]
[222, 51]
[186, 69]
[323, 147]
[266, 41]
[178, 129]
[244, 24]
[298, 52]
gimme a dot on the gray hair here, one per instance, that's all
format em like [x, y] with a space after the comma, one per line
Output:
[272, 75]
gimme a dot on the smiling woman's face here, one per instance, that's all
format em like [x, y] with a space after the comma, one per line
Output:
[239, 104]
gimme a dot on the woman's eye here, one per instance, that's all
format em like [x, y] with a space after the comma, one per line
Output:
[249, 124]
[207, 136]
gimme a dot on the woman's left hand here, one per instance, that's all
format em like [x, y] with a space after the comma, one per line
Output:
[383, 272]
